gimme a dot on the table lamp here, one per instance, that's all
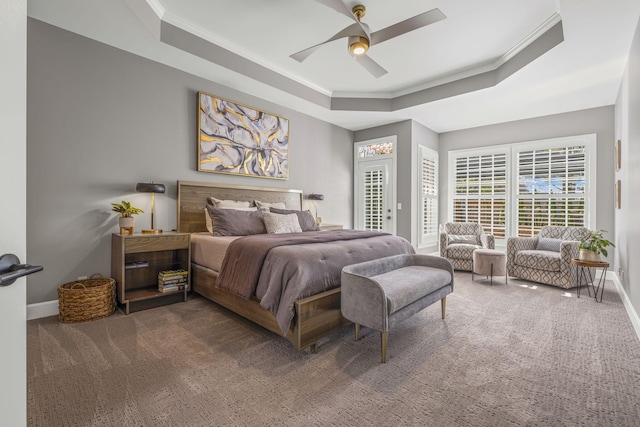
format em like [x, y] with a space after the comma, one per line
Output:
[153, 188]
[313, 197]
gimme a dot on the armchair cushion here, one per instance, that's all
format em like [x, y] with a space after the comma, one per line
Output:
[461, 251]
[540, 260]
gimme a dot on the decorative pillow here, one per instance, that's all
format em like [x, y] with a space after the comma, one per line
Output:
[207, 217]
[265, 206]
[305, 218]
[279, 224]
[235, 222]
[467, 239]
[235, 204]
[548, 244]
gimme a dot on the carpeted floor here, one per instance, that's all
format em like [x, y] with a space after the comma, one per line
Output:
[520, 354]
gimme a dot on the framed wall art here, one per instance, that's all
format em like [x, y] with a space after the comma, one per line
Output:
[618, 155]
[241, 140]
[618, 194]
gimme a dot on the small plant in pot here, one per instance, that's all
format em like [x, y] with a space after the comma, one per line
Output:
[593, 246]
[126, 220]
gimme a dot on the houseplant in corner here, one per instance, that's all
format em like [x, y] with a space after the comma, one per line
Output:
[126, 220]
[593, 246]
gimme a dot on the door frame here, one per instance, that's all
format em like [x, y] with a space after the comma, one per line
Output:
[13, 223]
[393, 176]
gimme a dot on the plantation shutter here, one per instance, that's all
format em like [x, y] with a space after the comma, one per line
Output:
[480, 192]
[373, 199]
[551, 188]
[428, 215]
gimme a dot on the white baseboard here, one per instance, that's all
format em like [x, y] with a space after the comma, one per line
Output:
[633, 315]
[42, 309]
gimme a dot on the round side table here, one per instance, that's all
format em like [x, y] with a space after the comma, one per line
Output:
[581, 276]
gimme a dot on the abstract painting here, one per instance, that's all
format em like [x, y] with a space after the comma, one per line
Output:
[240, 140]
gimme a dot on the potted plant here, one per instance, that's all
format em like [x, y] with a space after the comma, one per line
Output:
[593, 246]
[126, 220]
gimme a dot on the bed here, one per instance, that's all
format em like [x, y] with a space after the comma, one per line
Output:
[312, 316]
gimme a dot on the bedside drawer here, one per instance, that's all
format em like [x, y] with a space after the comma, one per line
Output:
[157, 243]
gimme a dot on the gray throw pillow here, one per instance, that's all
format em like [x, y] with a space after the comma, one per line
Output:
[467, 239]
[207, 217]
[234, 222]
[305, 218]
[549, 244]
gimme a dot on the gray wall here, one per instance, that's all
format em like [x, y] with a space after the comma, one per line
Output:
[597, 120]
[627, 237]
[101, 119]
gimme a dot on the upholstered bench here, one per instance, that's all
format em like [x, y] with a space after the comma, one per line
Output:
[381, 293]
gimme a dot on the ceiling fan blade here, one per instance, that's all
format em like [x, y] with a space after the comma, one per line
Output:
[370, 65]
[351, 30]
[338, 6]
[407, 25]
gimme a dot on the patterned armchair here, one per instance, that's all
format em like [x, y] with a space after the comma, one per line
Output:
[546, 258]
[458, 240]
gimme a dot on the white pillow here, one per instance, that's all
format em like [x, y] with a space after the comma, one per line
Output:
[265, 206]
[279, 224]
[234, 204]
[207, 217]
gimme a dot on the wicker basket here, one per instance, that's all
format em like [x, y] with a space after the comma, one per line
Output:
[88, 299]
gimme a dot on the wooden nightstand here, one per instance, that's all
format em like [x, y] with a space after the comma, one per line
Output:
[136, 261]
[327, 227]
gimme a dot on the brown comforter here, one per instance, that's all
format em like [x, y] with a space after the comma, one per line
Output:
[282, 268]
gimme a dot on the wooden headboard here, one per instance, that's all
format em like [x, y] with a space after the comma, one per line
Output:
[192, 199]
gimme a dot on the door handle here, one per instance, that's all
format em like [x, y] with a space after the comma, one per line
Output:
[11, 269]
[388, 216]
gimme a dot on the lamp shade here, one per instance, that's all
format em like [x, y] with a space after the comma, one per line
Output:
[149, 187]
[316, 197]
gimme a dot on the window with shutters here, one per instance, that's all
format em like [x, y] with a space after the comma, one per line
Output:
[428, 204]
[515, 189]
[551, 188]
[480, 191]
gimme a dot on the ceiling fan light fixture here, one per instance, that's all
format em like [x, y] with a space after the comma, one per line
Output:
[358, 45]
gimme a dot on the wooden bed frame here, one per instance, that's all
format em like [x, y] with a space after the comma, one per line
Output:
[315, 317]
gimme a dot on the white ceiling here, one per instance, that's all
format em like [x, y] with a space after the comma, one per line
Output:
[583, 71]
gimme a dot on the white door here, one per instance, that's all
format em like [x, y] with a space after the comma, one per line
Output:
[13, 148]
[374, 196]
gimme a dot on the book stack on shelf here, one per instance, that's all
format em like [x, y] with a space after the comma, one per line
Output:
[173, 280]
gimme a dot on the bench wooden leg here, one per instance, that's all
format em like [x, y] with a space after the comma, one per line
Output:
[443, 304]
[357, 331]
[384, 336]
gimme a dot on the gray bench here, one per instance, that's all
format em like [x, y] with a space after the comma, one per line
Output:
[381, 293]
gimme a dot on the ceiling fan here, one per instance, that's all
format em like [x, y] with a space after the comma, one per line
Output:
[361, 38]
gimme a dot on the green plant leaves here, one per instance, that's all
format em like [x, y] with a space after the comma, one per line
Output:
[125, 209]
[596, 243]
